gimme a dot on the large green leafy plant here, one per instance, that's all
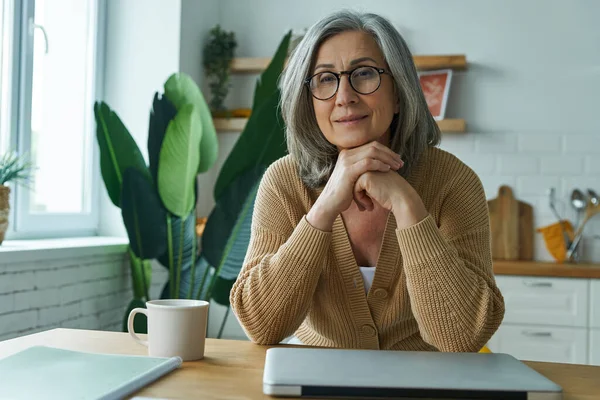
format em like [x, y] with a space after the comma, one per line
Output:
[157, 199]
[227, 234]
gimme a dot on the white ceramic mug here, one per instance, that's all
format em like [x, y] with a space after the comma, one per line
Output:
[176, 327]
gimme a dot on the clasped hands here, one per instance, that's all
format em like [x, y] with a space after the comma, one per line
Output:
[367, 175]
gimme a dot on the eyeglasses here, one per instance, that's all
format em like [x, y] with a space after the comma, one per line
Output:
[364, 80]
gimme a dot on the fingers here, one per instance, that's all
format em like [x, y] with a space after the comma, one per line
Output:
[374, 150]
[367, 165]
[361, 198]
[363, 201]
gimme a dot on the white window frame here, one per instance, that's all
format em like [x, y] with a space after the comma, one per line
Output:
[23, 224]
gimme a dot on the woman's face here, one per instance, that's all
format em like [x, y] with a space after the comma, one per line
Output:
[350, 119]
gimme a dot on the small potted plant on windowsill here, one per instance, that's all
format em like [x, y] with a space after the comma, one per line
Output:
[16, 169]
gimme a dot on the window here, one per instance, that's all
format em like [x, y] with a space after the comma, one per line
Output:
[49, 90]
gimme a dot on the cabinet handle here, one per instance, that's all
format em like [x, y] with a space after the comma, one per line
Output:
[538, 284]
[536, 334]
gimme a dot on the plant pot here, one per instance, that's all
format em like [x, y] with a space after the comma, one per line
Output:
[4, 195]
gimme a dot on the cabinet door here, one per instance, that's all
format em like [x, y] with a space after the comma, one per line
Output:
[595, 346]
[595, 303]
[540, 343]
[545, 301]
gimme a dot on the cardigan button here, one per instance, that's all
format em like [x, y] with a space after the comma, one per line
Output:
[380, 293]
[369, 330]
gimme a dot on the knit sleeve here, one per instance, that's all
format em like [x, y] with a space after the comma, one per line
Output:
[274, 289]
[449, 274]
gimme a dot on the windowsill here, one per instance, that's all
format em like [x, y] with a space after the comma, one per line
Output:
[13, 251]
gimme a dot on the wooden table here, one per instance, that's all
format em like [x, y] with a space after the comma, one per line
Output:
[233, 369]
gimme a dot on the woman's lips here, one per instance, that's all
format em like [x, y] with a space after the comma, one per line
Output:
[351, 120]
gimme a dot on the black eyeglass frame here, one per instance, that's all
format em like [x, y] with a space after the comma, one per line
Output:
[339, 77]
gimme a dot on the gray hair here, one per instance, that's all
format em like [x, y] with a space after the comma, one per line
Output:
[412, 131]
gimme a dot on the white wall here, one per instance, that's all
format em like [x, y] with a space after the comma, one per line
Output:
[529, 96]
[142, 50]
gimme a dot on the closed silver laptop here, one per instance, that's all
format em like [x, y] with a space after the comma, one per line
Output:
[322, 372]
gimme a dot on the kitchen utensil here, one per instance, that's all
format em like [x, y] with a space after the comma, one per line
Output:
[526, 231]
[554, 241]
[511, 224]
[557, 215]
[592, 208]
[578, 202]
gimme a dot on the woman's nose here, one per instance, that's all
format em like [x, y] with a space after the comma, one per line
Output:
[345, 94]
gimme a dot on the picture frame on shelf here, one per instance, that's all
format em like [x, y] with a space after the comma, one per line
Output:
[436, 86]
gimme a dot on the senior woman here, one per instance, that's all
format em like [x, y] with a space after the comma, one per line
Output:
[366, 235]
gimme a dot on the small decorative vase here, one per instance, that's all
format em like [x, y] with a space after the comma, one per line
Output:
[4, 207]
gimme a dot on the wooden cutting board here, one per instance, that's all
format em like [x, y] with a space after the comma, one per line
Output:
[511, 223]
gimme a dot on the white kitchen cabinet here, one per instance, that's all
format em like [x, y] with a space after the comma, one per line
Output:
[542, 343]
[595, 303]
[545, 301]
[594, 347]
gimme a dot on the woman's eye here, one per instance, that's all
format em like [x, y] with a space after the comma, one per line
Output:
[326, 79]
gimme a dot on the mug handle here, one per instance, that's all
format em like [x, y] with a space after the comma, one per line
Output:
[130, 325]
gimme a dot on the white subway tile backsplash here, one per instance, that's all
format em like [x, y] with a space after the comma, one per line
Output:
[481, 164]
[458, 144]
[496, 143]
[562, 165]
[37, 299]
[491, 184]
[535, 143]
[10, 283]
[581, 144]
[15, 322]
[592, 165]
[519, 164]
[7, 303]
[536, 185]
[88, 293]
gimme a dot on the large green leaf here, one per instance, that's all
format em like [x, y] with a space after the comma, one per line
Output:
[163, 111]
[178, 162]
[181, 239]
[141, 276]
[181, 89]
[267, 81]
[234, 253]
[143, 215]
[140, 322]
[263, 134]
[191, 279]
[118, 150]
[261, 143]
[227, 232]
[220, 290]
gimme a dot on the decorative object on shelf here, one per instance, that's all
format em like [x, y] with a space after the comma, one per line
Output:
[511, 224]
[15, 169]
[158, 200]
[436, 86]
[218, 54]
[227, 232]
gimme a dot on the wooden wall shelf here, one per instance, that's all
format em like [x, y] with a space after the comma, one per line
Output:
[238, 124]
[254, 65]
[546, 269]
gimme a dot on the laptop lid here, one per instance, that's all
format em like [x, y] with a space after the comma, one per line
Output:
[323, 372]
